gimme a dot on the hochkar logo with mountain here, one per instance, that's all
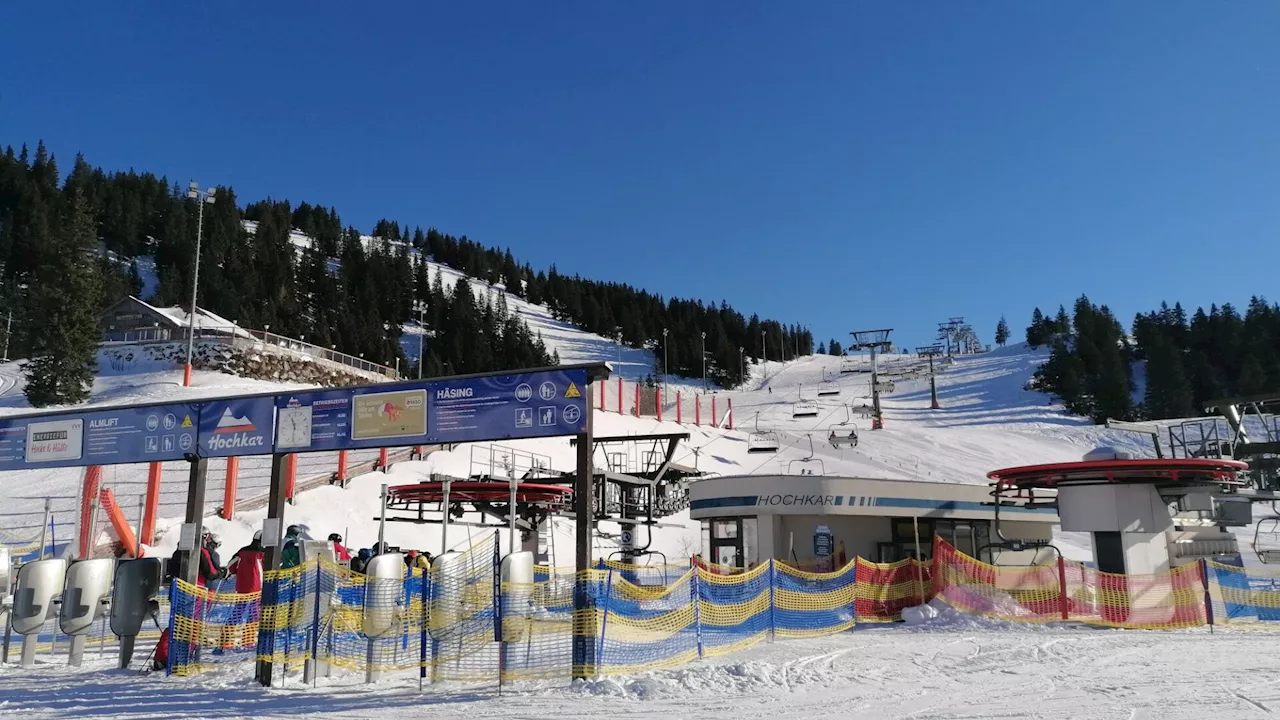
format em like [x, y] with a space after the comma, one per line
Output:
[235, 432]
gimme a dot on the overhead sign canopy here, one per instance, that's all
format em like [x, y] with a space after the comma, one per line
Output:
[543, 403]
[546, 402]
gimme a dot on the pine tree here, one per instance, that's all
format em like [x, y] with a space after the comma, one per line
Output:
[1002, 332]
[1168, 393]
[1035, 331]
[64, 306]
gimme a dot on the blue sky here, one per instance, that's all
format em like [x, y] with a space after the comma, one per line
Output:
[842, 164]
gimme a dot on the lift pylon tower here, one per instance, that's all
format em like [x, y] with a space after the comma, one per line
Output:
[873, 340]
[931, 351]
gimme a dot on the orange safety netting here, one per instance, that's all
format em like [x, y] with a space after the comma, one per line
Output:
[1068, 590]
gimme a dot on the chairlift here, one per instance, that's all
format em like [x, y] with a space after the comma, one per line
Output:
[842, 436]
[1266, 545]
[885, 388]
[808, 465]
[804, 408]
[827, 388]
[762, 441]
[848, 366]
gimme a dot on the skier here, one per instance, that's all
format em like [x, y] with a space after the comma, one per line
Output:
[361, 561]
[246, 565]
[339, 552]
[291, 554]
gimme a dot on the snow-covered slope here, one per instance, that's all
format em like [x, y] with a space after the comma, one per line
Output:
[988, 420]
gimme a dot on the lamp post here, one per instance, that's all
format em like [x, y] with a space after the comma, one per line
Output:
[422, 333]
[704, 362]
[201, 197]
[664, 357]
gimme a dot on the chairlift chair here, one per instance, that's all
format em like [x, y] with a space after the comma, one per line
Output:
[809, 464]
[1266, 545]
[763, 441]
[804, 408]
[827, 388]
[885, 388]
[842, 436]
[848, 366]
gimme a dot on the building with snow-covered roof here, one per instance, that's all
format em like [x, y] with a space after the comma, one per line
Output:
[132, 320]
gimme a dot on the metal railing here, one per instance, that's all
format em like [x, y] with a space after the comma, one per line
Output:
[241, 337]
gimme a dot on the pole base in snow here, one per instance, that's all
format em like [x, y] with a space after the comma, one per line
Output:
[29, 650]
[75, 657]
[186, 376]
[126, 650]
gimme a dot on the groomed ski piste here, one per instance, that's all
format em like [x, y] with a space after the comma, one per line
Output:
[954, 667]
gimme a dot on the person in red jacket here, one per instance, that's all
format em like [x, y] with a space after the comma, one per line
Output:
[246, 565]
[340, 553]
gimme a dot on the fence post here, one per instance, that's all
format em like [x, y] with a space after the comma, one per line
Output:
[637, 399]
[229, 489]
[173, 614]
[696, 593]
[92, 478]
[601, 397]
[310, 668]
[621, 390]
[773, 583]
[714, 422]
[604, 622]
[342, 467]
[1063, 600]
[1208, 600]
[730, 413]
[290, 475]
[679, 410]
[697, 410]
[154, 474]
[657, 404]
[422, 641]
[382, 460]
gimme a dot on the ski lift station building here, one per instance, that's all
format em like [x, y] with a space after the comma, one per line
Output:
[823, 520]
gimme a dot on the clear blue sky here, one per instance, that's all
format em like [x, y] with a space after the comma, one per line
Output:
[842, 164]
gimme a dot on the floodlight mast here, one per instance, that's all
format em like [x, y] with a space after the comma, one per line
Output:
[873, 340]
[201, 197]
[931, 351]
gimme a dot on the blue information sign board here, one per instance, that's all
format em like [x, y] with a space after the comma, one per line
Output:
[239, 426]
[544, 403]
[105, 437]
[501, 407]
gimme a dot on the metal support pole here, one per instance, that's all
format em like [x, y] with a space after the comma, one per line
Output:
[933, 387]
[195, 285]
[876, 423]
[444, 524]
[195, 517]
[422, 334]
[915, 528]
[48, 510]
[382, 518]
[511, 513]
[272, 532]
[8, 631]
[583, 644]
